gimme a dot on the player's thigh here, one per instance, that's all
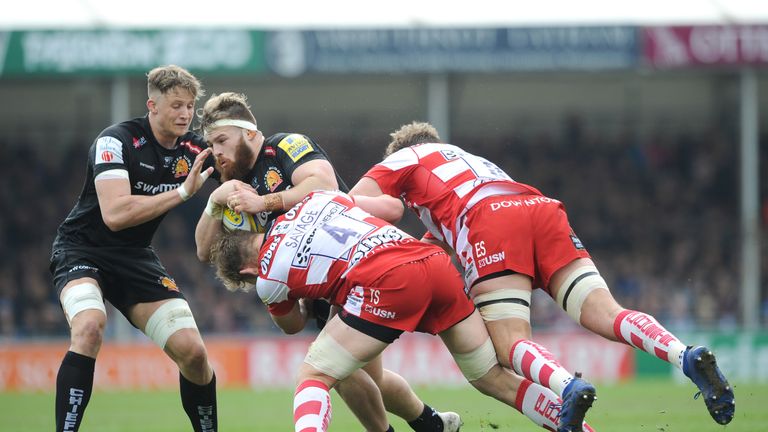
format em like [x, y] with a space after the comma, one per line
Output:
[359, 345]
[170, 324]
[375, 368]
[467, 335]
[504, 303]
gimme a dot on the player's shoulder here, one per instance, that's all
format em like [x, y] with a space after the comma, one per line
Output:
[294, 145]
[121, 130]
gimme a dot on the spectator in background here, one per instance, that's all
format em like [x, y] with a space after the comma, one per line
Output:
[631, 236]
[137, 171]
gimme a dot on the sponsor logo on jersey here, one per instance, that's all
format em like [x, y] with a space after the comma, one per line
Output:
[269, 151]
[181, 166]
[167, 161]
[354, 303]
[139, 142]
[291, 214]
[266, 260]
[381, 313]
[490, 259]
[378, 240]
[168, 283]
[576, 242]
[155, 189]
[192, 148]
[109, 150]
[83, 267]
[147, 166]
[296, 146]
[273, 178]
[528, 202]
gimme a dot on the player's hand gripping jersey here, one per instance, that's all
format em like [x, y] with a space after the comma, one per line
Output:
[280, 155]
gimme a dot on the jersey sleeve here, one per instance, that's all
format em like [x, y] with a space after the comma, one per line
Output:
[282, 308]
[388, 174]
[294, 150]
[110, 155]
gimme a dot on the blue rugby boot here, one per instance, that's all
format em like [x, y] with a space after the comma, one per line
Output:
[577, 399]
[700, 366]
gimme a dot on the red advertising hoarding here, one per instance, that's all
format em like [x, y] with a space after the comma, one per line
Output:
[723, 46]
[272, 361]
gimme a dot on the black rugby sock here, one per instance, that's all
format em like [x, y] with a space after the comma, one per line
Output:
[428, 421]
[74, 384]
[199, 402]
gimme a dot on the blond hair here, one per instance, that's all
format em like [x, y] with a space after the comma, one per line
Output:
[165, 78]
[229, 254]
[412, 134]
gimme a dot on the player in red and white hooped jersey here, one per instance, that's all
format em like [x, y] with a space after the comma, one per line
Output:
[386, 281]
[510, 238]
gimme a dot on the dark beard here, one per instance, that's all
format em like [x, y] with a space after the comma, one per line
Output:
[241, 165]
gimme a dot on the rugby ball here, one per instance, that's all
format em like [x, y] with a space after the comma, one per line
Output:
[233, 220]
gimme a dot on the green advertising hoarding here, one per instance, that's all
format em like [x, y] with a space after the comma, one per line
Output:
[115, 52]
[742, 356]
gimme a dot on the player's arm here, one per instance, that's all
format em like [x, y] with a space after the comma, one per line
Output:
[313, 175]
[120, 209]
[209, 225]
[294, 320]
[368, 196]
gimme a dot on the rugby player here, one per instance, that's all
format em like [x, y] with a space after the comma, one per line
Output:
[268, 175]
[386, 282]
[510, 238]
[137, 171]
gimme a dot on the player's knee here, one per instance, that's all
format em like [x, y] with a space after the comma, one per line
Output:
[579, 288]
[476, 363]
[186, 348]
[503, 304]
[88, 333]
[170, 318]
[600, 303]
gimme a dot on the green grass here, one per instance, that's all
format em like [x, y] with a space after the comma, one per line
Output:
[647, 406]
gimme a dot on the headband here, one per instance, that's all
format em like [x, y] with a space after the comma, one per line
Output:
[244, 124]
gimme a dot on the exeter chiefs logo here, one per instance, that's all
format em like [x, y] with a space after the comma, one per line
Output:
[168, 283]
[181, 166]
[273, 178]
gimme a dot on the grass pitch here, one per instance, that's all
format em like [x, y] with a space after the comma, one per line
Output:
[646, 406]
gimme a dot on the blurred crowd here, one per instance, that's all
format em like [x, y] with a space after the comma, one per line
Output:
[659, 215]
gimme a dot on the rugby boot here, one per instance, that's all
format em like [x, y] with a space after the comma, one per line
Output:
[578, 397]
[700, 366]
[451, 421]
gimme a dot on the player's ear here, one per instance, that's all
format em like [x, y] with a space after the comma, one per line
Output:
[252, 271]
[250, 274]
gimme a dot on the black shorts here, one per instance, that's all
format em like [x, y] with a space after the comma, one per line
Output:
[126, 276]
